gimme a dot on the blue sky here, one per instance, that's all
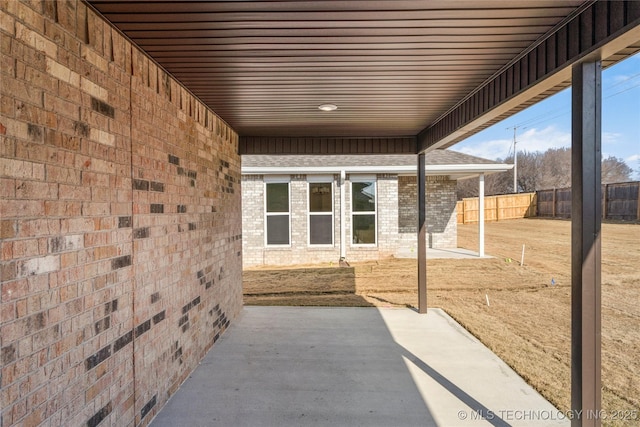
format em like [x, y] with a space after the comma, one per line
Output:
[548, 123]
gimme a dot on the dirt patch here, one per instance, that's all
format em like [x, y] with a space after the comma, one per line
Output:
[527, 321]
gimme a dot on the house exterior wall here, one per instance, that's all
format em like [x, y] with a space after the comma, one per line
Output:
[119, 223]
[253, 220]
[442, 229]
[387, 221]
[396, 221]
[299, 251]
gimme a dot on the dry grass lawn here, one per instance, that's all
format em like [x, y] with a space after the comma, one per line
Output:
[527, 321]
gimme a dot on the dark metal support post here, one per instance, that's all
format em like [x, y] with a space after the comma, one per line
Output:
[422, 236]
[586, 218]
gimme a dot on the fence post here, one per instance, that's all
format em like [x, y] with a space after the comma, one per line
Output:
[638, 203]
[553, 207]
[464, 209]
[464, 212]
[533, 208]
[605, 202]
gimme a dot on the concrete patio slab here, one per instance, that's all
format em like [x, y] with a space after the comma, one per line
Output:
[299, 366]
[433, 253]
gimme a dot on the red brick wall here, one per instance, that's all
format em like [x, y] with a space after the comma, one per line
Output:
[120, 223]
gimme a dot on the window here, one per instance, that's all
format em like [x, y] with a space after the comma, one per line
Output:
[363, 211]
[277, 213]
[321, 213]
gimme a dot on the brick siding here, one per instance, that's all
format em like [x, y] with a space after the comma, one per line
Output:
[299, 251]
[442, 231]
[396, 221]
[121, 236]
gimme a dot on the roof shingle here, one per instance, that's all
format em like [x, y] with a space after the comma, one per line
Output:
[435, 157]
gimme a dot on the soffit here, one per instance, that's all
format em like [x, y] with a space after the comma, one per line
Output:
[392, 67]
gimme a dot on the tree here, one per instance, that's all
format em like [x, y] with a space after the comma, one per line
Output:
[542, 171]
[499, 183]
[529, 164]
[555, 169]
[615, 170]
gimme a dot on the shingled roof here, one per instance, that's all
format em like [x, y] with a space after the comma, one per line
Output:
[438, 162]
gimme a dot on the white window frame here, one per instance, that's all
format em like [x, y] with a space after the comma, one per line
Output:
[356, 179]
[320, 179]
[276, 179]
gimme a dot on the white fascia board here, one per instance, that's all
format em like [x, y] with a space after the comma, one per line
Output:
[302, 170]
[467, 169]
[404, 170]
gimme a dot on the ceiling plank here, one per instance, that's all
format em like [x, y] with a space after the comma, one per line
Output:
[393, 67]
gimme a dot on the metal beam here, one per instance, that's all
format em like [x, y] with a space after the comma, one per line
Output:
[422, 235]
[601, 28]
[586, 218]
[343, 214]
[481, 215]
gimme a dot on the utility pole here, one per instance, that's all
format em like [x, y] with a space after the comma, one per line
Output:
[515, 160]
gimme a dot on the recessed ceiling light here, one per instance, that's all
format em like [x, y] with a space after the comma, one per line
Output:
[327, 107]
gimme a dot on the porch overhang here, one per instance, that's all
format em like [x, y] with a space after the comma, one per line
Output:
[407, 76]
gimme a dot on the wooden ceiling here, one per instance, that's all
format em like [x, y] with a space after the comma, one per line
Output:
[391, 67]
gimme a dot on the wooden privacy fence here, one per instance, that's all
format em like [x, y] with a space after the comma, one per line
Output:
[496, 208]
[555, 203]
[619, 202]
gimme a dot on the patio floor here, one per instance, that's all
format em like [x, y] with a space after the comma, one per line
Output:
[311, 366]
[433, 253]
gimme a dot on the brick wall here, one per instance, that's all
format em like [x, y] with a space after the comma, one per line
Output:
[119, 222]
[387, 214]
[252, 220]
[397, 221]
[407, 205]
[442, 231]
[299, 252]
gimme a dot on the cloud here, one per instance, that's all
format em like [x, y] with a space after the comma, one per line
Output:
[493, 149]
[611, 137]
[531, 140]
[621, 78]
[542, 140]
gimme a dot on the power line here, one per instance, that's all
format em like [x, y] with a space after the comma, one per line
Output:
[539, 116]
[530, 125]
[626, 80]
[545, 117]
[622, 91]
